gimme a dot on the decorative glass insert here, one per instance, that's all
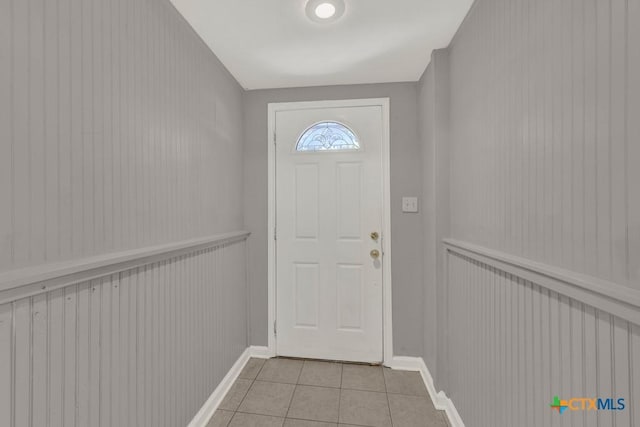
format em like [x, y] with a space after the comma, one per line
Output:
[325, 136]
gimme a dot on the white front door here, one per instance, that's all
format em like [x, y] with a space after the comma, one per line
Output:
[329, 188]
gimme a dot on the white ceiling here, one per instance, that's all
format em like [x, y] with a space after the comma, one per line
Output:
[273, 44]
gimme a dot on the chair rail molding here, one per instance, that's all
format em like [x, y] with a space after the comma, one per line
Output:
[32, 281]
[131, 338]
[604, 295]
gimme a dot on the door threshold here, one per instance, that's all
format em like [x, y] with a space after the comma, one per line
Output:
[344, 362]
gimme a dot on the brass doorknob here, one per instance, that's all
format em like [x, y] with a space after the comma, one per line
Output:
[375, 254]
[374, 235]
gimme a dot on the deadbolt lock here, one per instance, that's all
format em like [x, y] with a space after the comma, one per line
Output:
[374, 235]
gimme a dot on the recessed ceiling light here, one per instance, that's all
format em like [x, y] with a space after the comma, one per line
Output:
[325, 10]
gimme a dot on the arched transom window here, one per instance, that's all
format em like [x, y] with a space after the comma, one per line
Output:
[325, 136]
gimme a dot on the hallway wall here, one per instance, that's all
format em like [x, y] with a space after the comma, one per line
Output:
[541, 265]
[433, 131]
[406, 175]
[119, 128]
[120, 137]
[143, 346]
[544, 101]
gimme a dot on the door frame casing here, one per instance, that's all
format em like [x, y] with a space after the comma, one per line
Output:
[273, 108]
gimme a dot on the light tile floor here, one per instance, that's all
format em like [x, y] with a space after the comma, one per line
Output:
[295, 393]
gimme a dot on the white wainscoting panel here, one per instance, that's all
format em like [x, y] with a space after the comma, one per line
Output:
[515, 344]
[145, 346]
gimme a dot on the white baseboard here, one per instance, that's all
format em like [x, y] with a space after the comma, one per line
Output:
[439, 399]
[260, 352]
[209, 408]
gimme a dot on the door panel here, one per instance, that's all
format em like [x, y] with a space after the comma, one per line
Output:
[306, 277]
[329, 288]
[348, 189]
[307, 200]
[349, 281]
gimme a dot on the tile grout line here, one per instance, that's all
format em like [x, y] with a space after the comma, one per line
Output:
[386, 393]
[340, 388]
[245, 395]
[295, 387]
[340, 392]
[279, 382]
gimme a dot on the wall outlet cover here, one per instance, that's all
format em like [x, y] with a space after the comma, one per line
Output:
[410, 204]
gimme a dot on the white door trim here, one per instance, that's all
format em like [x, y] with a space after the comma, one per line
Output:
[387, 338]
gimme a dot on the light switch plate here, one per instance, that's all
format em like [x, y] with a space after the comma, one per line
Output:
[410, 204]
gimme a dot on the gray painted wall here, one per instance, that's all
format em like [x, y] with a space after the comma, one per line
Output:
[544, 105]
[406, 177]
[433, 127]
[541, 134]
[119, 129]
